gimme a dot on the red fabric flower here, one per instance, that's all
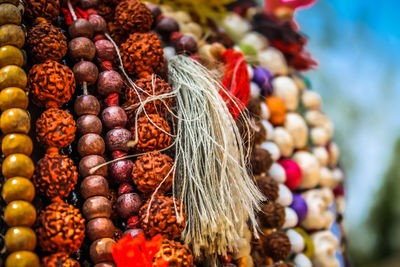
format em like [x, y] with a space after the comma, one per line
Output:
[137, 252]
[272, 5]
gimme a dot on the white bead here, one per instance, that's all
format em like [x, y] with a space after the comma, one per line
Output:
[285, 196]
[297, 128]
[296, 240]
[256, 40]
[277, 173]
[310, 169]
[250, 71]
[291, 219]
[273, 149]
[327, 179]
[311, 100]
[286, 89]
[265, 114]
[269, 128]
[338, 176]
[284, 141]
[255, 90]
[302, 260]
[325, 244]
[319, 136]
[319, 215]
[273, 60]
[237, 25]
[334, 154]
[321, 153]
[315, 118]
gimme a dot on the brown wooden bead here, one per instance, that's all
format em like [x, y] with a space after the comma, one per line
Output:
[85, 71]
[100, 250]
[89, 124]
[113, 117]
[87, 105]
[88, 163]
[80, 28]
[105, 264]
[81, 48]
[94, 185]
[100, 228]
[96, 207]
[98, 23]
[91, 144]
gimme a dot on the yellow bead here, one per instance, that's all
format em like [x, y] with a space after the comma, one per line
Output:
[22, 259]
[10, 55]
[18, 165]
[18, 188]
[11, 34]
[16, 143]
[20, 238]
[20, 213]
[13, 97]
[12, 76]
[15, 120]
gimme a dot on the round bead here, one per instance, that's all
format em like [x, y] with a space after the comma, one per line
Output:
[186, 45]
[55, 128]
[18, 188]
[89, 124]
[100, 250]
[11, 34]
[12, 76]
[117, 139]
[85, 71]
[105, 50]
[80, 28]
[121, 171]
[91, 144]
[13, 97]
[98, 23]
[14, 2]
[16, 143]
[20, 238]
[128, 205]
[15, 120]
[18, 165]
[97, 207]
[94, 185]
[22, 259]
[109, 82]
[87, 163]
[100, 228]
[166, 26]
[20, 213]
[46, 9]
[81, 48]
[87, 104]
[113, 117]
[10, 55]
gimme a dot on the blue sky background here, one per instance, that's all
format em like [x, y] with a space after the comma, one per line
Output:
[357, 43]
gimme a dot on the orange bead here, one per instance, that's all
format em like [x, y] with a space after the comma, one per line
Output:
[277, 110]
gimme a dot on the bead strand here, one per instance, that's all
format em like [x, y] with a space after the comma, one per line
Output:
[60, 226]
[17, 168]
[97, 208]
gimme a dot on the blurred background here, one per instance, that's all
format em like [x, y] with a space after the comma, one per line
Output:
[357, 43]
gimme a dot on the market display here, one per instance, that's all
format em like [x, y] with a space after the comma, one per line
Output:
[164, 133]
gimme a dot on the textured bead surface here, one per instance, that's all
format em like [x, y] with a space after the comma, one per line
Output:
[81, 48]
